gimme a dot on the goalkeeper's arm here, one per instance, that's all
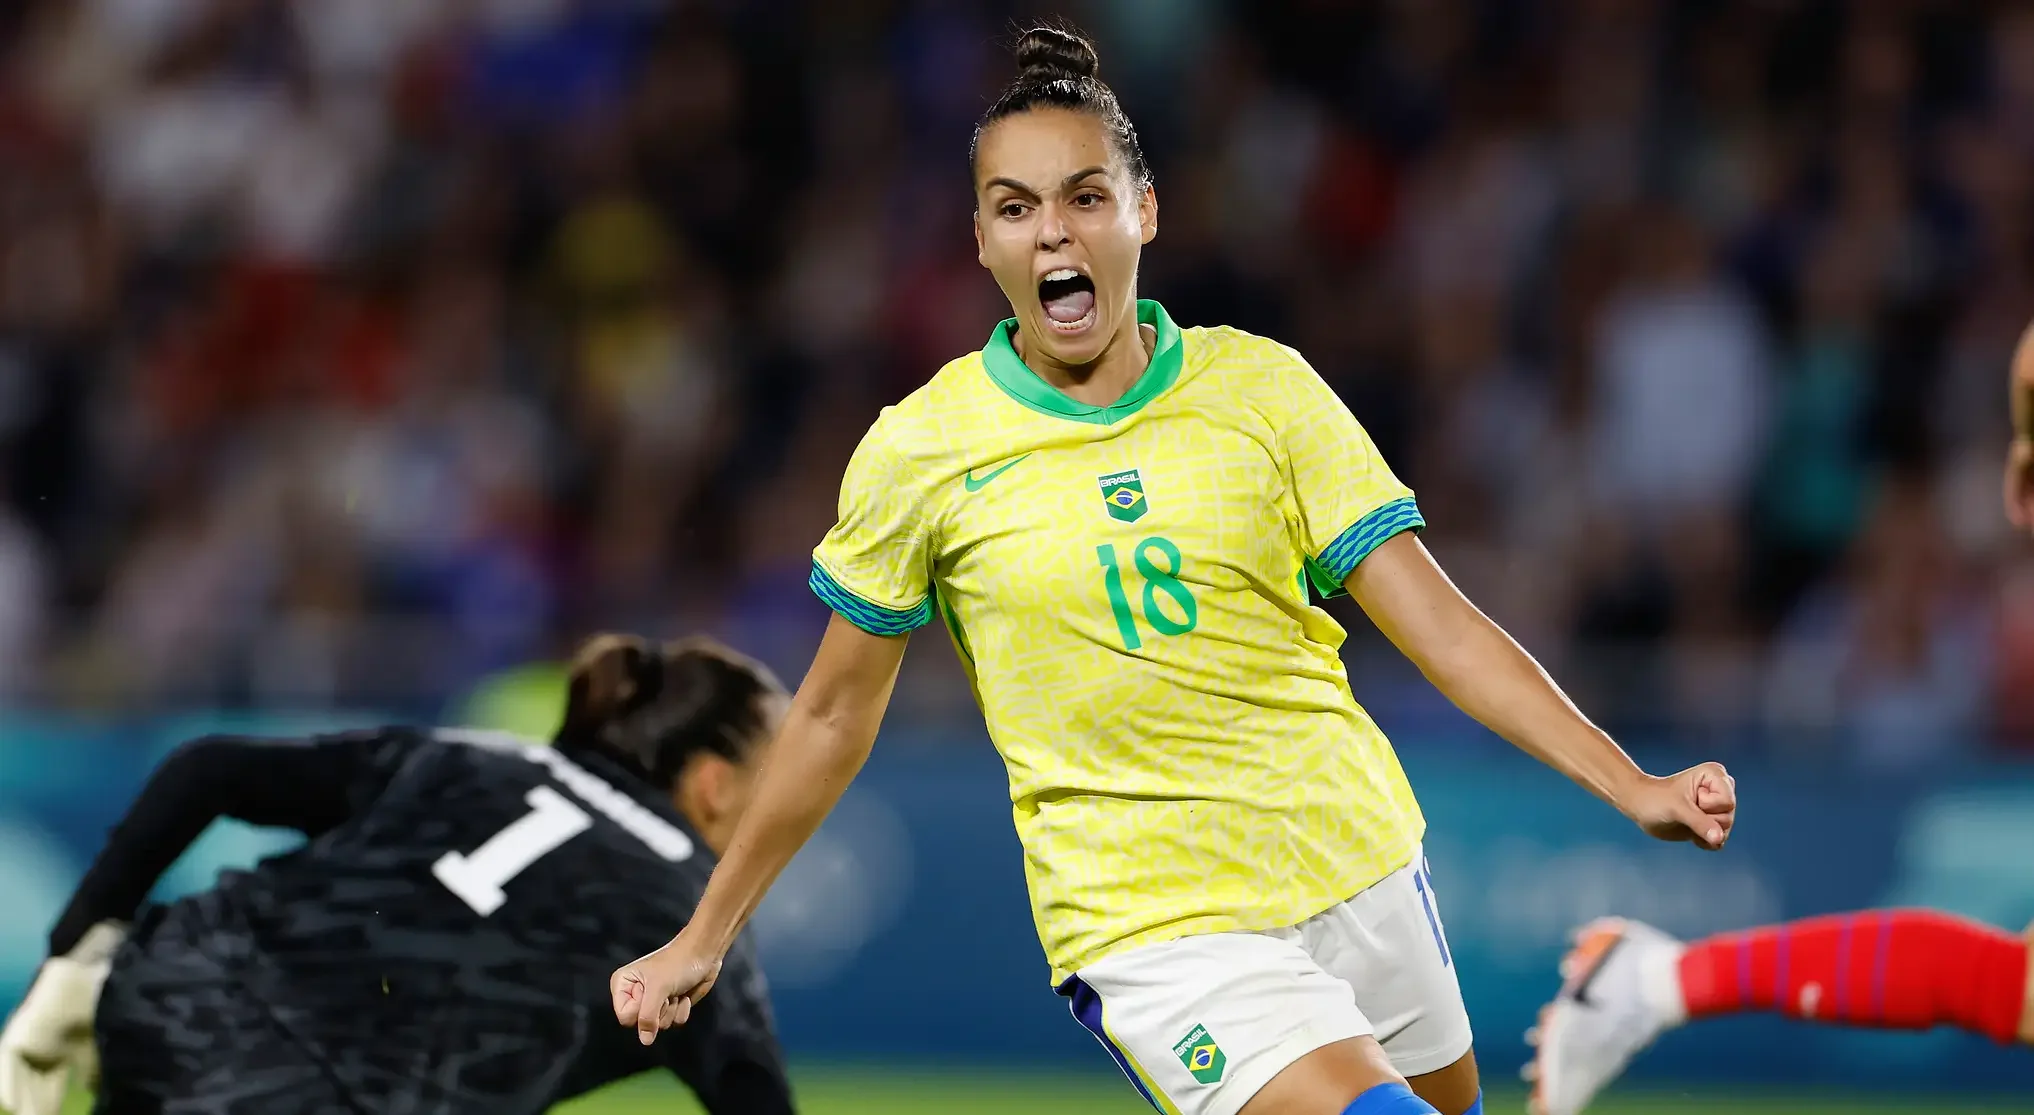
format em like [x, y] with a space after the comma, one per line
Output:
[307, 786]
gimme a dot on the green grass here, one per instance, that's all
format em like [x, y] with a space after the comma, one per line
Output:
[873, 1091]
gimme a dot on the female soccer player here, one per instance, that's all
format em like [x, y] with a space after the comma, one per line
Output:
[431, 948]
[1627, 982]
[1118, 520]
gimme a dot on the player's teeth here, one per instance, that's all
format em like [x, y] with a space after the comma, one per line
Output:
[1062, 274]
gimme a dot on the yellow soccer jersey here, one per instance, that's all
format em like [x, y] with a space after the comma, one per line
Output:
[1127, 587]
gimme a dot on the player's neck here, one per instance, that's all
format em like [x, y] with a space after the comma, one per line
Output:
[1105, 379]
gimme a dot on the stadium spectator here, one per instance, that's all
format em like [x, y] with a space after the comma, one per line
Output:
[476, 322]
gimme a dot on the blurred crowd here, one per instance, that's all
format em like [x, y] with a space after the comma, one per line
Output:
[350, 351]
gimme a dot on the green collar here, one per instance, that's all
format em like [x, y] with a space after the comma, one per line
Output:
[1018, 381]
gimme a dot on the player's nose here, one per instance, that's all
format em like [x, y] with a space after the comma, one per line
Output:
[1053, 233]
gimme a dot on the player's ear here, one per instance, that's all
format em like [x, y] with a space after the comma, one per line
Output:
[980, 257]
[706, 792]
[1147, 214]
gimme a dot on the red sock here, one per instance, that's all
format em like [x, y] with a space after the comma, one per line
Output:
[1889, 969]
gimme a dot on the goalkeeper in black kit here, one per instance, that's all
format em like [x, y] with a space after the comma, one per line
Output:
[442, 941]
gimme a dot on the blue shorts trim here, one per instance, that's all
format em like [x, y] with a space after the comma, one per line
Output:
[1086, 1007]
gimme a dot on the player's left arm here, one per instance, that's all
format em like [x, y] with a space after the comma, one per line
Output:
[1359, 526]
[1489, 676]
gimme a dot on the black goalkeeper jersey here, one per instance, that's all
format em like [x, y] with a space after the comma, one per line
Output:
[444, 939]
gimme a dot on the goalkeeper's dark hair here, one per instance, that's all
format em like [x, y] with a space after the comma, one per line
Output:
[652, 707]
[1057, 67]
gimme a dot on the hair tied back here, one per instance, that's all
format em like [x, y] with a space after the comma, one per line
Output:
[1057, 68]
[609, 674]
[1048, 52]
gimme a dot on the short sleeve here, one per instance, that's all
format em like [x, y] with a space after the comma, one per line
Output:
[1349, 501]
[874, 567]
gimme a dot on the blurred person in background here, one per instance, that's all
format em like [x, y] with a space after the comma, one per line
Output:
[507, 259]
[1887, 658]
[440, 940]
[1257, 942]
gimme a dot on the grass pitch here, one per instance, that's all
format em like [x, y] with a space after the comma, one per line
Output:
[872, 1091]
[869, 1090]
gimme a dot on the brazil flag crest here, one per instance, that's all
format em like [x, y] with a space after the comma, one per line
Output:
[1123, 495]
[1201, 1056]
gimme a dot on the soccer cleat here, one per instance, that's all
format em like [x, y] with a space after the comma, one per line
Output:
[1619, 990]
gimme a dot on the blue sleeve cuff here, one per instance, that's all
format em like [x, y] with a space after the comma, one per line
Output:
[870, 617]
[1349, 548]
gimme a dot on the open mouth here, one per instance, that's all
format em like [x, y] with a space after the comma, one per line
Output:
[1069, 299]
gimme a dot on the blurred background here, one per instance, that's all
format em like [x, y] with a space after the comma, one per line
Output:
[357, 356]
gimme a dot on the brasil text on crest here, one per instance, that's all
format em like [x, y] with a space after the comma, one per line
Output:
[1123, 495]
[1201, 1056]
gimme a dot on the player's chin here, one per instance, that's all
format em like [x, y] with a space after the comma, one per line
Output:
[1072, 343]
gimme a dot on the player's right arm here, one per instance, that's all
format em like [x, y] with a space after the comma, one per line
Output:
[874, 570]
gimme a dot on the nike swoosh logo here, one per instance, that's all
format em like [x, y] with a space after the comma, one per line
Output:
[1582, 989]
[975, 483]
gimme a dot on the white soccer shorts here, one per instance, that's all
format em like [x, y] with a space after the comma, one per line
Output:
[1201, 1023]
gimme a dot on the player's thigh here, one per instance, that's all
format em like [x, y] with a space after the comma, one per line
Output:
[1390, 945]
[1452, 1090]
[1326, 1081]
[1201, 1024]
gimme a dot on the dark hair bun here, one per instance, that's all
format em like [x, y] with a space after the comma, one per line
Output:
[1048, 52]
[608, 673]
[653, 707]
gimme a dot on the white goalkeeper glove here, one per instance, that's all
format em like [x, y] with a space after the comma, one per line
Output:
[49, 1035]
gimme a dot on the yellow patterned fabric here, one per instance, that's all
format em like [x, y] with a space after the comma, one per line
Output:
[1128, 589]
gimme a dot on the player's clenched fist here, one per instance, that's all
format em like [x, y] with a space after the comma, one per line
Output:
[658, 991]
[1698, 804]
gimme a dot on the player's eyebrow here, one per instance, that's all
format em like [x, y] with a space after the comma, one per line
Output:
[1025, 188]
